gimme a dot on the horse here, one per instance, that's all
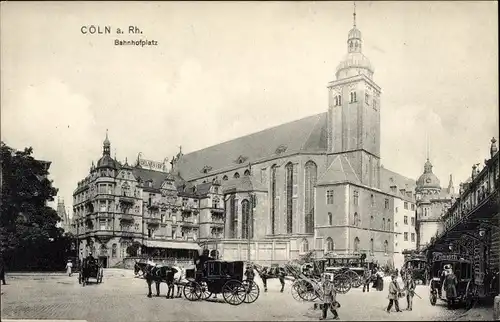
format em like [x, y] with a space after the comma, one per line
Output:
[87, 266]
[170, 275]
[267, 273]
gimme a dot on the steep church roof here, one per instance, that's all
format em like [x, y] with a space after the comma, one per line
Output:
[305, 135]
[340, 170]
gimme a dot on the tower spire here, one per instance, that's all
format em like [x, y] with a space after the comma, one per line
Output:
[354, 15]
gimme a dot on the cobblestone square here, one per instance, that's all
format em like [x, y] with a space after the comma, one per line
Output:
[122, 297]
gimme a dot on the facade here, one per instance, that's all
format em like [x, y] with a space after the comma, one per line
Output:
[317, 183]
[404, 207]
[432, 204]
[117, 206]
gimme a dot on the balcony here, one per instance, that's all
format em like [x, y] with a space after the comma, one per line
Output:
[104, 233]
[127, 199]
[127, 234]
[104, 196]
[189, 223]
[126, 217]
[152, 220]
[105, 215]
[154, 205]
[219, 211]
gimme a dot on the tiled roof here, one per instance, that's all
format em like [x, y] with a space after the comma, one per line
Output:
[340, 170]
[243, 184]
[307, 134]
[390, 178]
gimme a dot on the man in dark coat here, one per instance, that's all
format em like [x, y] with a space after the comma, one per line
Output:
[170, 272]
[410, 292]
[281, 276]
[249, 275]
[2, 271]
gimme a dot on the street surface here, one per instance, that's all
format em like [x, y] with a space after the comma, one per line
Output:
[122, 298]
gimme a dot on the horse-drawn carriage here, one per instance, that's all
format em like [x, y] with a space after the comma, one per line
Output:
[216, 277]
[462, 269]
[353, 266]
[417, 266]
[90, 269]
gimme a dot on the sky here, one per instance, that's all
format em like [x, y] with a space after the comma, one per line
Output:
[226, 69]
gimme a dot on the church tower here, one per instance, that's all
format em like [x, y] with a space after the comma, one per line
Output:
[354, 112]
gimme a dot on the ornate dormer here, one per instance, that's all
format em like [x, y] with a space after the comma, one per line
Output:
[281, 149]
[206, 169]
[241, 159]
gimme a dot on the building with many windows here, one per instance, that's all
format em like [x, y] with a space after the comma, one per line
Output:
[432, 203]
[118, 206]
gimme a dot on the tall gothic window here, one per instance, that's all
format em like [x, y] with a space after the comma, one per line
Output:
[372, 247]
[289, 197]
[389, 224]
[311, 174]
[330, 219]
[383, 223]
[273, 199]
[356, 244]
[233, 222]
[329, 245]
[245, 217]
[356, 219]
[386, 247]
[356, 198]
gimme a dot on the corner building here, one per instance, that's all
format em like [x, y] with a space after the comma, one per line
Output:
[315, 184]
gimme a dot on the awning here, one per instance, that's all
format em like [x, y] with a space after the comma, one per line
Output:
[171, 244]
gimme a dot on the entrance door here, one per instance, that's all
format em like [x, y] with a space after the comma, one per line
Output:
[103, 260]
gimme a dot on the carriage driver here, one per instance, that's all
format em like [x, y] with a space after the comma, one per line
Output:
[250, 275]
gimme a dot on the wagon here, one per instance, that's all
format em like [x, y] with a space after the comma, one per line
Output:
[90, 270]
[417, 265]
[220, 277]
[462, 268]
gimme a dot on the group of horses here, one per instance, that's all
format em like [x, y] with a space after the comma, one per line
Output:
[175, 277]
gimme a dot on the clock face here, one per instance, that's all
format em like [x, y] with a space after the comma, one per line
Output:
[428, 180]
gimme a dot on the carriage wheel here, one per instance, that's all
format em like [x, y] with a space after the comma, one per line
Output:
[307, 291]
[433, 298]
[234, 292]
[192, 291]
[469, 296]
[342, 283]
[204, 292]
[252, 292]
[295, 290]
[355, 279]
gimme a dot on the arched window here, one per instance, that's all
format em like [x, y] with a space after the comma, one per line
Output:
[383, 223]
[425, 212]
[273, 199]
[245, 217]
[224, 178]
[330, 219]
[386, 247]
[329, 245]
[125, 189]
[356, 244]
[246, 173]
[113, 250]
[389, 225]
[289, 197]
[305, 245]
[236, 175]
[232, 205]
[372, 247]
[311, 174]
[356, 219]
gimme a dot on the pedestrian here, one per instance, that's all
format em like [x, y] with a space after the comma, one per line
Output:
[69, 267]
[368, 279]
[281, 276]
[380, 280]
[410, 292]
[2, 271]
[170, 273]
[329, 299]
[450, 287]
[394, 293]
[263, 276]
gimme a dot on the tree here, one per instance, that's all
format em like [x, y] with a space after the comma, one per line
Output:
[27, 225]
